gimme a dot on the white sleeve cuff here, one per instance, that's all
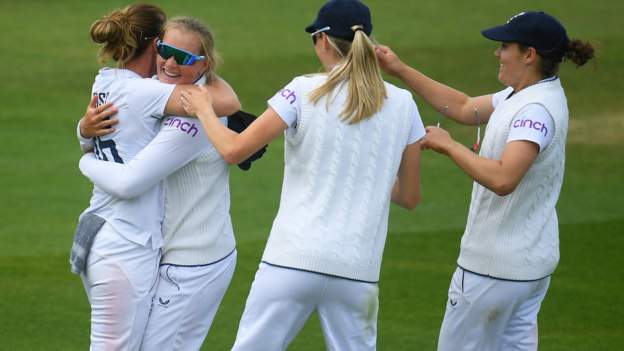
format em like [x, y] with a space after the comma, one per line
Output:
[86, 144]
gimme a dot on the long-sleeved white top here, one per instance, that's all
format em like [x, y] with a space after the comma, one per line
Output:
[196, 227]
[141, 104]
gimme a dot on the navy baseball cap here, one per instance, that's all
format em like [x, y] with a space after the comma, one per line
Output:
[340, 16]
[533, 28]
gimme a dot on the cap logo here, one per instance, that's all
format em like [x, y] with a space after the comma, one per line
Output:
[518, 15]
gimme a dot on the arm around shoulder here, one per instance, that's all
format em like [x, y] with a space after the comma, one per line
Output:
[224, 100]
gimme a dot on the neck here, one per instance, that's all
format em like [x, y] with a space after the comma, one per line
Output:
[331, 62]
[527, 81]
[328, 68]
[141, 65]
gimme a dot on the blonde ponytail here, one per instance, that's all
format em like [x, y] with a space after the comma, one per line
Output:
[360, 69]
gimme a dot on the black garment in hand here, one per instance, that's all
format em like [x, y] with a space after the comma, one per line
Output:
[239, 122]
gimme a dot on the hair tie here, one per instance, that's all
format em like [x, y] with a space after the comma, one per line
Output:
[357, 27]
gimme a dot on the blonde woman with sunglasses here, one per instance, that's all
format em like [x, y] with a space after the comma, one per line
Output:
[117, 244]
[352, 145]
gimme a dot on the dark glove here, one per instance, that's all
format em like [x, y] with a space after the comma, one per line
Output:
[239, 122]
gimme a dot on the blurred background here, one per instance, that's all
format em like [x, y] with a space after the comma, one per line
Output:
[48, 65]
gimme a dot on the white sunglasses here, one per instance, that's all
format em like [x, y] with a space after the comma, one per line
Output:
[324, 29]
[315, 34]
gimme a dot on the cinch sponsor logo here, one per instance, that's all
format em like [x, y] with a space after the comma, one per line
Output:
[524, 123]
[287, 94]
[184, 126]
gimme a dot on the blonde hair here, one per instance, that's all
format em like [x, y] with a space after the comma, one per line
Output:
[126, 33]
[206, 40]
[359, 67]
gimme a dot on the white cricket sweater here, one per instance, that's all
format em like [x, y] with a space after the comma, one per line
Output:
[197, 228]
[141, 105]
[333, 213]
[516, 237]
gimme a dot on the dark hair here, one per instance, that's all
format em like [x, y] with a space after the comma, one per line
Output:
[127, 32]
[577, 51]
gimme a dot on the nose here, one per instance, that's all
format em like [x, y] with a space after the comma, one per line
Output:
[497, 52]
[170, 62]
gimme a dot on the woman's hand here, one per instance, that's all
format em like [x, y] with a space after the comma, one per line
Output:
[388, 60]
[195, 102]
[437, 139]
[97, 120]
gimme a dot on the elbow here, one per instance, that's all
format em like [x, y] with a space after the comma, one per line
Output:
[231, 106]
[411, 202]
[234, 106]
[411, 205]
[230, 159]
[233, 156]
[124, 193]
[504, 188]
[126, 190]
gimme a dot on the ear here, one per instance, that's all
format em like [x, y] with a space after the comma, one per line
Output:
[206, 67]
[325, 42]
[530, 55]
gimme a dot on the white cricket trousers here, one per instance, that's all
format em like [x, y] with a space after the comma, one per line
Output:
[185, 304]
[487, 314]
[282, 299]
[120, 280]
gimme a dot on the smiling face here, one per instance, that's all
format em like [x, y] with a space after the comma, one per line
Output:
[169, 71]
[518, 67]
[511, 68]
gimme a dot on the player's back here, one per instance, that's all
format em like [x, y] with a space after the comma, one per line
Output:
[140, 103]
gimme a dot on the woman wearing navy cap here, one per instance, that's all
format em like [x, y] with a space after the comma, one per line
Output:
[510, 246]
[352, 144]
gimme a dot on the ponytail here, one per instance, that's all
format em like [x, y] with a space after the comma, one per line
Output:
[126, 33]
[360, 69]
[579, 52]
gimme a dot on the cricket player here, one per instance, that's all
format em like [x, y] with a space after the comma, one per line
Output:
[198, 254]
[510, 246]
[119, 239]
[352, 145]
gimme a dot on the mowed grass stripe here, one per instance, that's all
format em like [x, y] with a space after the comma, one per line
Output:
[415, 277]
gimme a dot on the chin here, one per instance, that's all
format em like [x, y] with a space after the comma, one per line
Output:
[168, 80]
[501, 78]
[165, 78]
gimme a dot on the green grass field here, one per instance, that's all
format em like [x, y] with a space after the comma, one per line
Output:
[49, 64]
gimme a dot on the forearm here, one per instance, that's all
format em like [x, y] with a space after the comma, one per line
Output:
[439, 95]
[399, 198]
[489, 173]
[108, 176]
[223, 139]
[406, 188]
[224, 104]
